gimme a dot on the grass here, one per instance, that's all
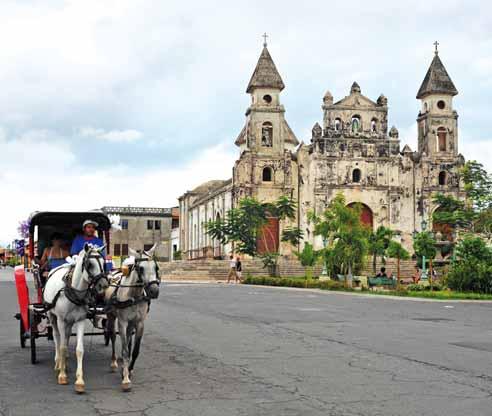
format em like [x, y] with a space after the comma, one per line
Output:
[301, 282]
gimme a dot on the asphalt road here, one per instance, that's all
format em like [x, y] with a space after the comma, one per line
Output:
[214, 349]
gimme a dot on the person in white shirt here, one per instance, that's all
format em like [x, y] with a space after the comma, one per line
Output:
[232, 269]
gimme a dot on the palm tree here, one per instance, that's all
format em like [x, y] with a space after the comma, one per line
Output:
[378, 243]
[396, 251]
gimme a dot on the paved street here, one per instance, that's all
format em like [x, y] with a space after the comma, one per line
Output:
[213, 349]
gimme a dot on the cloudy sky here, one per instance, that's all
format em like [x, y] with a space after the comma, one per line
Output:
[131, 102]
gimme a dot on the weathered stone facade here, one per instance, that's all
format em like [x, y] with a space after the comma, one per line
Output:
[353, 152]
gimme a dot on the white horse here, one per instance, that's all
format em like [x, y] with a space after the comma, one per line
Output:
[67, 303]
[129, 300]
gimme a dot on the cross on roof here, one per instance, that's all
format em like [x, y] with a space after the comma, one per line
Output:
[264, 36]
[436, 44]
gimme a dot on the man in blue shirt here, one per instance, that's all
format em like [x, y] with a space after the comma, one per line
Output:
[89, 236]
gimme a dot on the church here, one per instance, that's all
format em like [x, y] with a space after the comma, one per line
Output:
[351, 151]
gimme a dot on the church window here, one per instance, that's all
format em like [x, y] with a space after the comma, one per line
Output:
[441, 139]
[356, 175]
[441, 105]
[267, 174]
[267, 134]
[267, 98]
[426, 107]
[356, 125]
[374, 125]
[338, 124]
[442, 178]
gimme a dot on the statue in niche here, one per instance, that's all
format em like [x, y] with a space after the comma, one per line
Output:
[267, 135]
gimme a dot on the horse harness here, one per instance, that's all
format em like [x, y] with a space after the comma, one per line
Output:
[85, 297]
[143, 297]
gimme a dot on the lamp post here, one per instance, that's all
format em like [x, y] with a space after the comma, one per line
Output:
[423, 225]
[324, 272]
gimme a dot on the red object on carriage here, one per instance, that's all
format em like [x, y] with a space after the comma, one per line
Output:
[32, 315]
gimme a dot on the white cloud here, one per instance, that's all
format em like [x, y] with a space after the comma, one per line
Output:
[126, 136]
[40, 173]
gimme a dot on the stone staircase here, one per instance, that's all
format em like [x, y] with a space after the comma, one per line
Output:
[218, 269]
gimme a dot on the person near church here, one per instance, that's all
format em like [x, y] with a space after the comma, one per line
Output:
[416, 275]
[382, 273]
[232, 269]
[239, 269]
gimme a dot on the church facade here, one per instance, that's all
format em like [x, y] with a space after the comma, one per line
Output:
[352, 151]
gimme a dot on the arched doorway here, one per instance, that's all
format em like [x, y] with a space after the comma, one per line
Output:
[216, 243]
[366, 216]
[445, 229]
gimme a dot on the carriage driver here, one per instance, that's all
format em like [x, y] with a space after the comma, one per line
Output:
[88, 236]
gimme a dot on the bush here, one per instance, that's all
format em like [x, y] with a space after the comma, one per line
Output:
[295, 282]
[472, 272]
[424, 288]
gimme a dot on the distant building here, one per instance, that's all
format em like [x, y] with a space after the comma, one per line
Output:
[141, 228]
[174, 232]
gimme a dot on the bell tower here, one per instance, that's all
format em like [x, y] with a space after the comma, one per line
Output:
[266, 142]
[437, 120]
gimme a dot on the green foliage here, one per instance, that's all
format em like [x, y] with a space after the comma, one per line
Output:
[177, 255]
[424, 288]
[474, 214]
[378, 242]
[244, 224]
[308, 256]
[295, 282]
[270, 261]
[292, 235]
[473, 269]
[345, 236]
[396, 251]
[424, 244]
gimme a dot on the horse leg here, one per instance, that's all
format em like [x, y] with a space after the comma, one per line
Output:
[138, 339]
[125, 355]
[56, 339]
[79, 381]
[62, 354]
[110, 327]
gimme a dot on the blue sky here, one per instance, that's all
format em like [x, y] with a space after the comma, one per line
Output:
[134, 102]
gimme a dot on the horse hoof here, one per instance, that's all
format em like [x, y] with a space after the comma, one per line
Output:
[63, 380]
[114, 366]
[79, 388]
[126, 386]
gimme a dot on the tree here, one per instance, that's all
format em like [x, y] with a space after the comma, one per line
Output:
[474, 270]
[476, 210]
[378, 243]
[23, 228]
[424, 245]
[247, 223]
[345, 235]
[308, 258]
[396, 251]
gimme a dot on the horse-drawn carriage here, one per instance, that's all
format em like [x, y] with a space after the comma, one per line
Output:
[32, 316]
[84, 288]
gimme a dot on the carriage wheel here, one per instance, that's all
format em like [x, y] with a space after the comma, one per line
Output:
[34, 329]
[22, 334]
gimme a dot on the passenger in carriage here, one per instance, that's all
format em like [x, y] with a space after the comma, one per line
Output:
[54, 255]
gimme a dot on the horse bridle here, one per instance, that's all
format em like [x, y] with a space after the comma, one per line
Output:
[139, 271]
[94, 278]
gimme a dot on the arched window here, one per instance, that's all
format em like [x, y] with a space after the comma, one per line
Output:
[426, 107]
[442, 178]
[441, 139]
[356, 124]
[356, 175]
[267, 134]
[374, 125]
[338, 124]
[267, 174]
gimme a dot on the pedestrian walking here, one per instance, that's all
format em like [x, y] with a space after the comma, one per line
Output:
[232, 269]
[239, 269]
